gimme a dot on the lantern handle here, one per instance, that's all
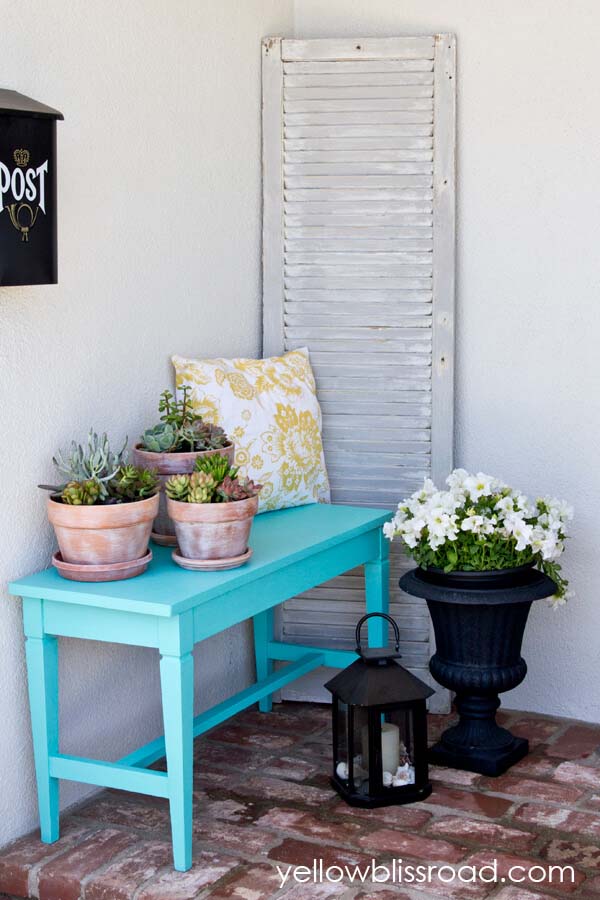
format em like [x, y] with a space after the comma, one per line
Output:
[382, 616]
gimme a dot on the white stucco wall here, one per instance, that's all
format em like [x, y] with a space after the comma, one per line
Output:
[159, 252]
[528, 320]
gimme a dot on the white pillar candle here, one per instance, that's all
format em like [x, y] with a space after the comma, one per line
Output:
[390, 746]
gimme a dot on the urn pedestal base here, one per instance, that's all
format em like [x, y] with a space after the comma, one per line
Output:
[484, 760]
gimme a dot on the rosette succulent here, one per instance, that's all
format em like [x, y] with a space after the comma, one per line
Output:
[81, 493]
[237, 489]
[482, 524]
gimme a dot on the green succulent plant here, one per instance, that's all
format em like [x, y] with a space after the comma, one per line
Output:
[237, 489]
[205, 436]
[93, 462]
[133, 483]
[218, 466]
[177, 487]
[202, 488]
[160, 439]
[81, 493]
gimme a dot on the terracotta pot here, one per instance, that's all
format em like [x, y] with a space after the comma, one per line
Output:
[167, 464]
[212, 530]
[97, 535]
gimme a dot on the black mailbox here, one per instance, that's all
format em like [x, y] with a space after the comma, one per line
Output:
[27, 190]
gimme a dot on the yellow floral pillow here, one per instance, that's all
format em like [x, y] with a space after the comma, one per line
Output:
[269, 407]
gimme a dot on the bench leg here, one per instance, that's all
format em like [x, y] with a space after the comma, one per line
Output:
[42, 675]
[177, 685]
[377, 590]
[263, 633]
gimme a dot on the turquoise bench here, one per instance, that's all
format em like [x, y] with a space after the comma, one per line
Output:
[172, 609]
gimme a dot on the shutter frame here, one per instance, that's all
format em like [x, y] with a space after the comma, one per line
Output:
[309, 86]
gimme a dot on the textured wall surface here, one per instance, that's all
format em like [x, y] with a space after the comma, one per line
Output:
[159, 253]
[528, 321]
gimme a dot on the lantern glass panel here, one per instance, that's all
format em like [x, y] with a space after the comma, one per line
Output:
[360, 749]
[398, 736]
[340, 727]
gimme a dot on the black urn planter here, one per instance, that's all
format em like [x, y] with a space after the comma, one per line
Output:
[479, 620]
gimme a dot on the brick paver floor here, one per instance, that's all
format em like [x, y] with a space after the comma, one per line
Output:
[263, 803]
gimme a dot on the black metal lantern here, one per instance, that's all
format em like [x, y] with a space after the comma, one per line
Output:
[379, 728]
[27, 190]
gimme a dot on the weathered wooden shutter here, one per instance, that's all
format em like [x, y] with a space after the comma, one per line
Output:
[358, 265]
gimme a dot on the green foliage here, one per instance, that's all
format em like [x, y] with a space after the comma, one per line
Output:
[218, 466]
[81, 493]
[160, 439]
[133, 483]
[178, 487]
[94, 462]
[205, 436]
[202, 488]
[181, 429]
[237, 489]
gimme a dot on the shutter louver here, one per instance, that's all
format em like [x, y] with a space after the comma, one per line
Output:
[358, 266]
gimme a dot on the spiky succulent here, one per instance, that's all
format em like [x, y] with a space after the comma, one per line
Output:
[237, 489]
[177, 487]
[202, 488]
[81, 493]
[160, 439]
[94, 462]
[218, 466]
[133, 483]
[181, 429]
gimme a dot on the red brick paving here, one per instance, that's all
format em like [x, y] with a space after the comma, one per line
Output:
[482, 831]
[262, 800]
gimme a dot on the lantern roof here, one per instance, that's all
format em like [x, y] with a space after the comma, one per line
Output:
[15, 104]
[362, 684]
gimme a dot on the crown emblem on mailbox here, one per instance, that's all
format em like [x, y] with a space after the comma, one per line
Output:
[21, 157]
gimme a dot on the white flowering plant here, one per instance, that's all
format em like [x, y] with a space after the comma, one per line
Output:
[481, 524]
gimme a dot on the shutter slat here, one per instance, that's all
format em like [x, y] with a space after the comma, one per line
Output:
[364, 168]
[400, 128]
[357, 249]
[368, 116]
[394, 260]
[356, 79]
[375, 92]
[349, 143]
[350, 243]
[372, 195]
[358, 67]
[393, 103]
[354, 156]
[349, 298]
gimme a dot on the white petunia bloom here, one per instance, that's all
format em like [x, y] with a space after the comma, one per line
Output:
[389, 529]
[479, 485]
[456, 479]
[519, 529]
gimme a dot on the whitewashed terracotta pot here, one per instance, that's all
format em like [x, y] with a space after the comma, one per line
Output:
[212, 530]
[165, 465]
[97, 535]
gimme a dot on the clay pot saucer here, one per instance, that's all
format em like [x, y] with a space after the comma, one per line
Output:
[211, 565]
[116, 571]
